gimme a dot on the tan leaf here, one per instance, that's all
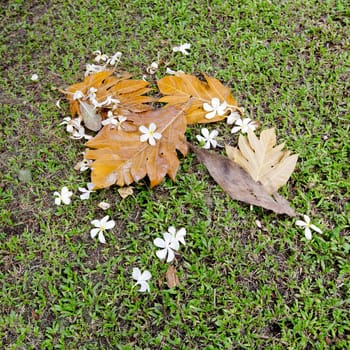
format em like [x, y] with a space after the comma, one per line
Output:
[172, 279]
[239, 185]
[125, 191]
[187, 89]
[120, 157]
[91, 118]
[263, 160]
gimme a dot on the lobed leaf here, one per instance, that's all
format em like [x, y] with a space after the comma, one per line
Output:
[262, 160]
[120, 157]
[184, 89]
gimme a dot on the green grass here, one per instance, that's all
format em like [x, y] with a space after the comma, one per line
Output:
[242, 287]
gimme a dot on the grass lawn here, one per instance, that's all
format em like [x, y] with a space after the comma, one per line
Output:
[241, 286]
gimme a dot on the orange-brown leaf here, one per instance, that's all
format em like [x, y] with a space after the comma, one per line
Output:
[121, 158]
[129, 92]
[187, 89]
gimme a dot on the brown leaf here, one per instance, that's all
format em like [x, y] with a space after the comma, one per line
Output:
[120, 157]
[262, 160]
[239, 185]
[185, 88]
[172, 279]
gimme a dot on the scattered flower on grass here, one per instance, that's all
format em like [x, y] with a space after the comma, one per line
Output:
[100, 227]
[34, 78]
[152, 69]
[308, 226]
[215, 108]
[168, 245]
[243, 125]
[100, 56]
[233, 117]
[80, 133]
[141, 279]
[208, 139]
[86, 191]
[63, 197]
[149, 134]
[71, 124]
[115, 59]
[173, 72]
[83, 165]
[93, 68]
[182, 48]
[104, 205]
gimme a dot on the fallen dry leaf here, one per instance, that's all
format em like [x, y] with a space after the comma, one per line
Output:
[172, 279]
[186, 89]
[236, 182]
[263, 160]
[125, 192]
[120, 157]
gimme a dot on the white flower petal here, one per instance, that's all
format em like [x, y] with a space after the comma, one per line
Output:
[96, 223]
[235, 129]
[144, 286]
[161, 254]
[143, 129]
[171, 256]
[160, 243]
[144, 137]
[308, 234]
[205, 132]
[101, 237]
[210, 115]
[94, 232]
[109, 225]
[207, 107]
[307, 219]
[315, 228]
[136, 273]
[157, 135]
[300, 223]
[146, 275]
[151, 141]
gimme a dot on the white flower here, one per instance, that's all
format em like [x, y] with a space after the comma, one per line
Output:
[63, 197]
[114, 120]
[78, 95]
[215, 108]
[307, 226]
[208, 139]
[173, 72]
[99, 56]
[86, 191]
[80, 133]
[83, 165]
[233, 117]
[72, 124]
[108, 101]
[182, 48]
[115, 59]
[178, 235]
[243, 126]
[104, 205]
[141, 279]
[168, 245]
[149, 134]
[34, 77]
[101, 226]
[93, 68]
[152, 68]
